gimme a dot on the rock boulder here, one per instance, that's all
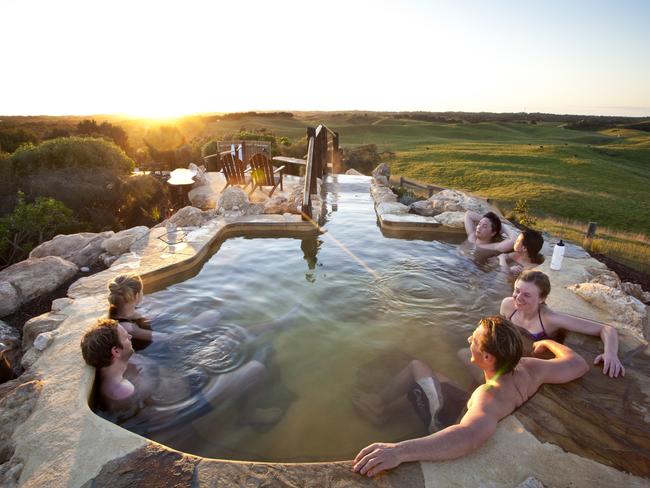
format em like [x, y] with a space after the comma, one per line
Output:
[626, 310]
[37, 325]
[9, 299]
[452, 219]
[81, 249]
[382, 170]
[37, 276]
[233, 199]
[203, 197]
[124, 240]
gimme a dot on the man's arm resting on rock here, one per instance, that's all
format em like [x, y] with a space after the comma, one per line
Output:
[567, 365]
[476, 427]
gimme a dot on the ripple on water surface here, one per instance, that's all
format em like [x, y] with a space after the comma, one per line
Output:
[365, 300]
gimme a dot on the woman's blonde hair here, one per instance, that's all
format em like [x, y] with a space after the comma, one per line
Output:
[123, 289]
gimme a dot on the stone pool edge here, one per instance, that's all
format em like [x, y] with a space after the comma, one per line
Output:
[63, 443]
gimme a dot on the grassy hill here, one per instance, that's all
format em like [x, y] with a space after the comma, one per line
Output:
[563, 174]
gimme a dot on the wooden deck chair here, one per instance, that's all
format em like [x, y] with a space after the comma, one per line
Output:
[234, 171]
[264, 174]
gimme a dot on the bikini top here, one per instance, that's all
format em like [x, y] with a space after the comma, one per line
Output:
[535, 337]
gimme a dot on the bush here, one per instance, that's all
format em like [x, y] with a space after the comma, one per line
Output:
[522, 213]
[31, 224]
[362, 158]
[144, 201]
[210, 147]
[78, 153]
[10, 140]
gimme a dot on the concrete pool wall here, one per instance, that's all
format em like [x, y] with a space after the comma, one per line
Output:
[61, 442]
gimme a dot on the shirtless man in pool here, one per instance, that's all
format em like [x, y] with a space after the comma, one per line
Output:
[510, 380]
[127, 380]
[485, 232]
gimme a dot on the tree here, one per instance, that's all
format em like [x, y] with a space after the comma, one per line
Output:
[29, 225]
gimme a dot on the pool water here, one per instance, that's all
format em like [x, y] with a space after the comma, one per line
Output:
[367, 304]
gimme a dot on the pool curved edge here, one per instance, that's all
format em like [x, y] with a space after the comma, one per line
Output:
[63, 443]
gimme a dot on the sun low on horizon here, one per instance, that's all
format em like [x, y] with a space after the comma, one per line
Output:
[163, 60]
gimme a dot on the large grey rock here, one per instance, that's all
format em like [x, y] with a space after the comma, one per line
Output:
[606, 277]
[279, 205]
[203, 197]
[626, 310]
[37, 276]
[186, 217]
[392, 208]
[635, 290]
[353, 172]
[233, 199]
[82, 249]
[200, 178]
[37, 325]
[124, 240]
[382, 170]
[44, 339]
[9, 299]
[457, 201]
[380, 180]
[452, 219]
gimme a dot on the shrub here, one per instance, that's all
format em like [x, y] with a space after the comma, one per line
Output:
[105, 130]
[522, 213]
[144, 201]
[10, 140]
[362, 158]
[209, 147]
[80, 153]
[31, 224]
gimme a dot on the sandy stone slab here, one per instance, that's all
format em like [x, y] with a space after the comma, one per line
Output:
[151, 466]
[598, 417]
[512, 455]
[212, 473]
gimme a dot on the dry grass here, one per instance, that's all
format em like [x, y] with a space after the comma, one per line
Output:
[628, 248]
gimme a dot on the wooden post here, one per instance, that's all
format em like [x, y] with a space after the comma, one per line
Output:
[589, 236]
[307, 188]
[591, 230]
[336, 163]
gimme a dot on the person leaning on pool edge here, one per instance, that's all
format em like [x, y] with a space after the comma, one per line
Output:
[485, 232]
[510, 380]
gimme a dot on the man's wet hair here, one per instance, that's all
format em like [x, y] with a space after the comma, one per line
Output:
[495, 221]
[502, 339]
[98, 341]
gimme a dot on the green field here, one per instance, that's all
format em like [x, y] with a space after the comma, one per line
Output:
[564, 174]
[568, 177]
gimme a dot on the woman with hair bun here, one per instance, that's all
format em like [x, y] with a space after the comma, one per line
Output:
[526, 254]
[125, 294]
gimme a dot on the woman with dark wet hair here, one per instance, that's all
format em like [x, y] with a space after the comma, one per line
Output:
[526, 254]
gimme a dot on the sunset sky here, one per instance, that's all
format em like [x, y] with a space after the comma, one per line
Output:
[164, 58]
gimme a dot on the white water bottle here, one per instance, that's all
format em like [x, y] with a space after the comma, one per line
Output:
[558, 255]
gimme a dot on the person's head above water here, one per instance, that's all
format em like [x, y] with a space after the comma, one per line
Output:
[489, 227]
[531, 289]
[105, 341]
[122, 290]
[530, 241]
[496, 345]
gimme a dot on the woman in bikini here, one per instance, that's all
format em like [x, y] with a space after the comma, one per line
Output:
[527, 309]
[125, 294]
[526, 253]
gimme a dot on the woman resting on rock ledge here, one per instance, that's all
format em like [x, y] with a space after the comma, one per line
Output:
[125, 294]
[527, 309]
[526, 253]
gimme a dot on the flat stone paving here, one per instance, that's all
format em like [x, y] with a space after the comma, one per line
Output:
[63, 443]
